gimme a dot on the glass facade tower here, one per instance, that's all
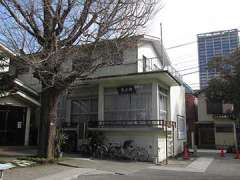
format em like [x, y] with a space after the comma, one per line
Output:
[214, 44]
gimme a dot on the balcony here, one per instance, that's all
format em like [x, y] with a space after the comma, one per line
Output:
[154, 64]
[137, 66]
[131, 124]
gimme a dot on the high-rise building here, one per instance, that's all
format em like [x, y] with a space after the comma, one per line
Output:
[214, 44]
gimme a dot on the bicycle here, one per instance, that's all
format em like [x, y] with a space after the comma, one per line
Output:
[128, 151]
[140, 154]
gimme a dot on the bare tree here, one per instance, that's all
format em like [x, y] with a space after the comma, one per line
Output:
[46, 34]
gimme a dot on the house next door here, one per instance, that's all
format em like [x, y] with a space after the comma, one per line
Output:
[206, 135]
[12, 125]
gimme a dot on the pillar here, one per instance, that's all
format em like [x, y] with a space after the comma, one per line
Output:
[68, 110]
[27, 127]
[155, 102]
[155, 116]
[100, 103]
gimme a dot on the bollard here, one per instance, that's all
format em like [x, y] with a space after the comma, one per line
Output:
[195, 151]
[222, 152]
[1, 174]
[185, 153]
[237, 154]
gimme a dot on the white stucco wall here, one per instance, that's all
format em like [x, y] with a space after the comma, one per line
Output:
[128, 66]
[152, 141]
[177, 107]
[146, 49]
[132, 60]
[116, 70]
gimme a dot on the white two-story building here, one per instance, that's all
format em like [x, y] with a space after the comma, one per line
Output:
[133, 100]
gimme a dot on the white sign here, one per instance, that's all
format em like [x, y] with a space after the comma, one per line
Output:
[181, 127]
[19, 124]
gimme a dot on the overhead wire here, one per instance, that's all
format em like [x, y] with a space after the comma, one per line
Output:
[181, 45]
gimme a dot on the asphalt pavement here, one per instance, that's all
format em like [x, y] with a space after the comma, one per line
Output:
[207, 166]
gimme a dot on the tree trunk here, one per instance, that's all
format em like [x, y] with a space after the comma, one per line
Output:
[49, 102]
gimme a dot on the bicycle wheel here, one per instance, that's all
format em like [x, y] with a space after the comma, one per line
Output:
[142, 154]
[133, 155]
[100, 151]
[113, 152]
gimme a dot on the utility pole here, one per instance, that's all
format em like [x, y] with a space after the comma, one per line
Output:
[161, 34]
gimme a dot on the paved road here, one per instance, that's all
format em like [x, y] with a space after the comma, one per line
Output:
[205, 168]
[161, 175]
[210, 167]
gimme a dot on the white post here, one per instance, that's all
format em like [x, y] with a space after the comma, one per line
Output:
[235, 135]
[100, 103]
[27, 127]
[155, 150]
[193, 142]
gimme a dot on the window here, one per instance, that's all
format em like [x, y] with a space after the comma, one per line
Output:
[131, 106]
[214, 107]
[84, 109]
[162, 104]
[116, 58]
[144, 64]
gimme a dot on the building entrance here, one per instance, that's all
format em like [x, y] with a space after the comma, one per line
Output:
[12, 125]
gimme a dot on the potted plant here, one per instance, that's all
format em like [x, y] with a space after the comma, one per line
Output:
[60, 140]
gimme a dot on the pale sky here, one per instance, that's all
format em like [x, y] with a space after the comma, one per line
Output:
[182, 20]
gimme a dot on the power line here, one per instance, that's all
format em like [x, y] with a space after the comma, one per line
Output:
[185, 56]
[193, 83]
[182, 68]
[190, 73]
[181, 45]
[187, 61]
[188, 68]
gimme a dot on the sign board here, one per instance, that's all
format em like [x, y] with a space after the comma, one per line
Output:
[124, 90]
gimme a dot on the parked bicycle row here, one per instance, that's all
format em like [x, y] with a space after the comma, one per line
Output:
[128, 151]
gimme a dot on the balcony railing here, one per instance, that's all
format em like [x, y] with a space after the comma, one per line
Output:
[223, 116]
[154, 64]
[131, 124]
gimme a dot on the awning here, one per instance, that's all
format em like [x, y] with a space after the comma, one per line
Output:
[20, 96]
[16, 89]
[162, 76]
